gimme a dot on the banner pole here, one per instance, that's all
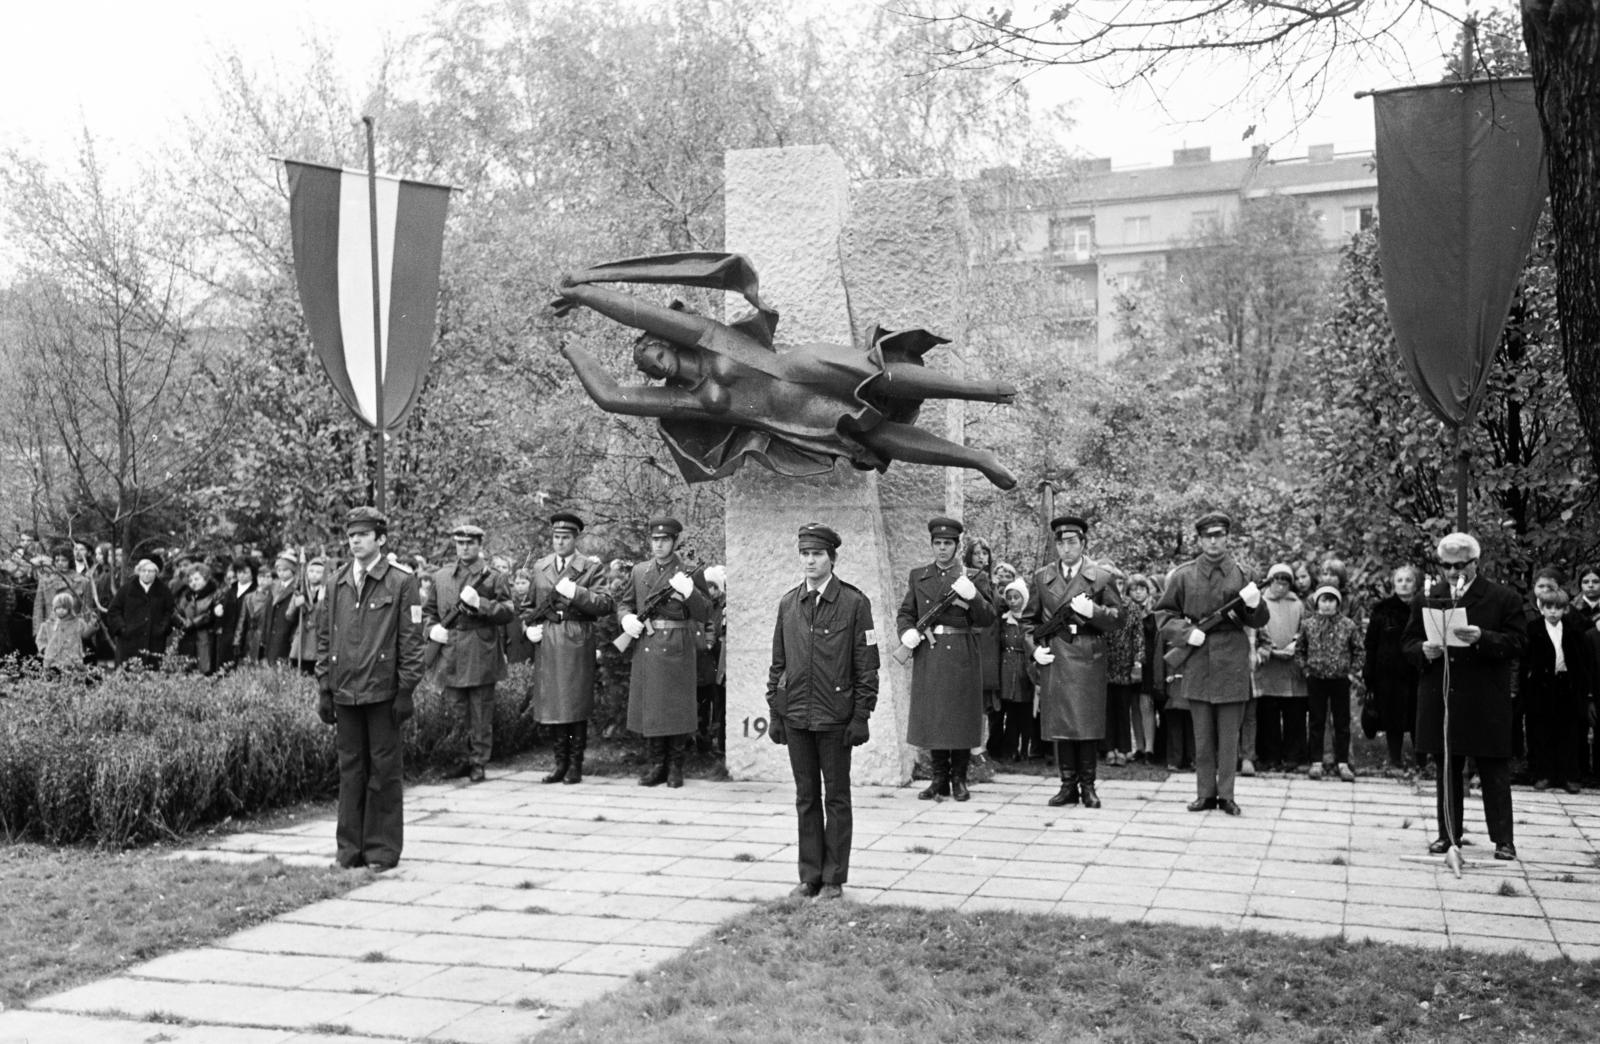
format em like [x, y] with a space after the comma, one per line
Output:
[380, 491]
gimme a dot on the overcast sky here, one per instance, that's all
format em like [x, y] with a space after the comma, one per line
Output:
[125, 67]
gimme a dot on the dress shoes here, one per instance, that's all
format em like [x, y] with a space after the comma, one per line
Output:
[380, 868]
[1229, 806]
[958, 789]
[1202, 804]
[804, 890]
[1541, 784]
[476, 775]
[1505, 850]
[830, 892]
[460, 771]
[1440, 846]
[1572, 788]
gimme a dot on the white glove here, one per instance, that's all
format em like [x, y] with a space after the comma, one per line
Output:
[1083, 605]
[965, 589]
[911, 639]
[1044, 657]
[470, 596]
[217, 611]
[1197, 637]
[535, 633]
[1251, 595]
[633, 625]
[681, 583]
[437, 633]
[565, 587]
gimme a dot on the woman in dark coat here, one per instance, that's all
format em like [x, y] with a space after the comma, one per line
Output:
[1389, 676]
[141, 614]
[196, 620]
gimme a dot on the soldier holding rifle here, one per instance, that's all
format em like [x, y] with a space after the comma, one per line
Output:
[569, 594]
[939, 621]
[1203, 612]
[1071, 605]
[664, 599]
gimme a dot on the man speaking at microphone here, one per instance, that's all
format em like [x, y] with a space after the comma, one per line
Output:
[1478, 654]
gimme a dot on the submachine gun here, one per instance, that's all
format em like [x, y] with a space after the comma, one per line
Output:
[546, 609]
[652, 605]
[1176, 655]
[924, 625]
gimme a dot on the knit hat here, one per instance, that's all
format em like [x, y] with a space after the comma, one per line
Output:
[1020, 585]
[1326, 589]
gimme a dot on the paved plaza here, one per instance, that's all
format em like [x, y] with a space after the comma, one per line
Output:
[516, 902]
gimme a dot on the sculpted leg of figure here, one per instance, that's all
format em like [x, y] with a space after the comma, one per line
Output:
[910, 381]
[914, 446]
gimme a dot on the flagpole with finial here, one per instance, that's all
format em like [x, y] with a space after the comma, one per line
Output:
[380, 491]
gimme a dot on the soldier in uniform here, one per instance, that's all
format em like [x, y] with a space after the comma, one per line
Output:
[369, 661]
[568, 595]
[947, 671]
[663, 600]
[463, 615]
[1072, 664]
[821, 688]
[1215, 677]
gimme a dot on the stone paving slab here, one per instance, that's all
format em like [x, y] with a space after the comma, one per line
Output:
[516, 902]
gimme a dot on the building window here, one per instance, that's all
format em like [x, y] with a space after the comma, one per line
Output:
[1136, 229]
[1071, 238]
[1205, 220]
[1357, 219]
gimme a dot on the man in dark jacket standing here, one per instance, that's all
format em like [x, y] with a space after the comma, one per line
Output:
[1215, 676]
[369, 661]
[821, 688]
[469, 605]
[1477, 705]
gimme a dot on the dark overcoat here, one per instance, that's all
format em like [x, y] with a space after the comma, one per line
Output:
[1480, 674]
[947, 670]
[661, 685]
[1072, 690]
[564, 660]
[474, 652]
[141, 620]
[1219, 670]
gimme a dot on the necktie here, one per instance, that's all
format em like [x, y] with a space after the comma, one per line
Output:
[809, 600]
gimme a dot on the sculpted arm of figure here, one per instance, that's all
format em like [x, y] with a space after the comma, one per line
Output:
[674, 325]
[634, 400]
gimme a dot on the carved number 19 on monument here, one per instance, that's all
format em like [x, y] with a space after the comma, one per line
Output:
[760, 725]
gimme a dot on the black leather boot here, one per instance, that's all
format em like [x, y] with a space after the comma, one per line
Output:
[939, 786]
[658, 754]
[959, 760]
[577, 743]
[1086, 785]
[1068, 794]
[678, 749]
[562, 746]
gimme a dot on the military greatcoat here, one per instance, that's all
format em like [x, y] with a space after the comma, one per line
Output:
[564, 660]
[1072, 690]
[662, 682]
[1219, 670]
[475, 652]
[946, 669]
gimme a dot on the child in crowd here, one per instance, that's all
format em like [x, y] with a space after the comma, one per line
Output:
[1016, 672]
[62, 635]
[1588, 603]
[518, 648]
[1329, 651]
[1558, 691]
[1280, 683]
[1141, 593]
[1124, 665]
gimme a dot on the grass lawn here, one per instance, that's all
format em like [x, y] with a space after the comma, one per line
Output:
[70, 915]
[796, 971]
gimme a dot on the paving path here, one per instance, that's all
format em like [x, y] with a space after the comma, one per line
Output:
[516, 902]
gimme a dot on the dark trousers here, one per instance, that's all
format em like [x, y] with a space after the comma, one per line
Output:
[475, 712]
[1179, 728]
[1494, 776]
[1558, 723]
[1122, 704]
[371, 819]
[1018, 719]
[1281, 730]
[1397, 707]
[1216, 747]
[821, 764]
[1329, 696]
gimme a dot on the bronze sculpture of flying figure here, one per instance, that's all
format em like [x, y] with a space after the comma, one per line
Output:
[729, 394]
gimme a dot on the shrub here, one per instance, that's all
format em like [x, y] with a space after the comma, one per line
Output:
[129, 757]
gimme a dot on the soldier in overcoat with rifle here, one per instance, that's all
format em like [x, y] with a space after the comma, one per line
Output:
[1202, 614]
[664, 600]
[1071, 606]
[568, 595]
[940, 623]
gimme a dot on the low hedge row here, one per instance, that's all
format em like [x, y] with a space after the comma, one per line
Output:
[130, 757]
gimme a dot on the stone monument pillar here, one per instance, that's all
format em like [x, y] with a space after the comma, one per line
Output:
[833, 263]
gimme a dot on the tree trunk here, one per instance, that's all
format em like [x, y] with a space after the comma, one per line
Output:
[1563, 42]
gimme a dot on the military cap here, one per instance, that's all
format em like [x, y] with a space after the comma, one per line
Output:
[566, 521]
[1069, 524]
[814, 536]
[467, 531]
[1213, 520]
[945, 528]
[366, 518]
[665, 527]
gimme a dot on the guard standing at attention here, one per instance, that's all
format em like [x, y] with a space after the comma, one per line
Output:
[941, 620]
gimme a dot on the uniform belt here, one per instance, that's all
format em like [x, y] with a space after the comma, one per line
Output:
[669, 625]
[943, 629]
